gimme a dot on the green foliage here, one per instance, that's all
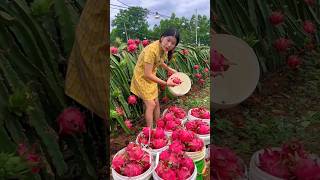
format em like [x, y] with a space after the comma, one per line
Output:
[12, 166]
[133, 22]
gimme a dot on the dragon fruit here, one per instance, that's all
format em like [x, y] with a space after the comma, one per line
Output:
[276, 18]
[289, 162]
[145, 42]
[198, 127]
[176, 80]
[132, 162]
[174, 164]
[190, 141]
[282, 44]
[169, 122]
[71, 121]
[200, 113]
[309, 27]
[132, 100]
[225, 164]
[177, 112]
[158, 138]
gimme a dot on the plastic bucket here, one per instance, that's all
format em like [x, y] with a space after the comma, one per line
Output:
[201, 166]
[191, 118]
[197, 156]
[183, 121]
[255, 172]
[154, 152]
[205, 138]
[192, 177]
[146, 175]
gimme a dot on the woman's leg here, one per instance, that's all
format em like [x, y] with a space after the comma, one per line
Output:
[156, 112]
[150, 106]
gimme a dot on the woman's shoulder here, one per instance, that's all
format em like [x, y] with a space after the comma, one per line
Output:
[152, 46]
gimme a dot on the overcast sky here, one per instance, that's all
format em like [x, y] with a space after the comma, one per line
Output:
[181, 8]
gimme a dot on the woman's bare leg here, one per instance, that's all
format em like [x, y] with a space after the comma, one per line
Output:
[156, 112]
[150, 106]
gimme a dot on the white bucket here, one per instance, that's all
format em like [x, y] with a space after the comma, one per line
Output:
[191, 118]
[205, 138]
[144, 176]
[154, 152]
[183, 121]
[198, 155]
[255, 173]
[192, 177]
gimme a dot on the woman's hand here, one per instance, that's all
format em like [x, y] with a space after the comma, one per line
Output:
[171, 84]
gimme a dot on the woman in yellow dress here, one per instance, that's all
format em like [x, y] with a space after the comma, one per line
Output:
[144, 83]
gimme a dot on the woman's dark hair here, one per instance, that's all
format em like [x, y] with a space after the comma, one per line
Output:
[171, 32]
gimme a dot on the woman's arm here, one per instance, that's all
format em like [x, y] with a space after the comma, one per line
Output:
[148, 74]
[166, 67]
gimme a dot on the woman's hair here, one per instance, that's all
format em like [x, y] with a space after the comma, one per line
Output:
[171, 32]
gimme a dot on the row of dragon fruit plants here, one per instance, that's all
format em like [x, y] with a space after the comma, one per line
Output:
[126, 107]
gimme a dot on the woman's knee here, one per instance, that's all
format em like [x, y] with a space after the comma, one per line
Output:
[150, 104]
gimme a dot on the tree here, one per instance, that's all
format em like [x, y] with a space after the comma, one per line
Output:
[187, 28]
[131, 21]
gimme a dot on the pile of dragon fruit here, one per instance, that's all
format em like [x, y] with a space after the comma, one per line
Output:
[132, 162]
[291, 161]
[158, 138]
[174, 164]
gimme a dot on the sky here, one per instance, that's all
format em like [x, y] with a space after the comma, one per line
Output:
[182, 8]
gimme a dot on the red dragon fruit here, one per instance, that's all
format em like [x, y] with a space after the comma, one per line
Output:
[132, 99]
[71, 121]
[176, 80]
[132, 162]
[132, 48]
[282, 44]
[225, 164]
[294, 62]
[276, 18]
[200, 113]
[145, 42]
[177, 112]
[309, 27]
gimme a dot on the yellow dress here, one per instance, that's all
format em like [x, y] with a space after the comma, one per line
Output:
[140, 86]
